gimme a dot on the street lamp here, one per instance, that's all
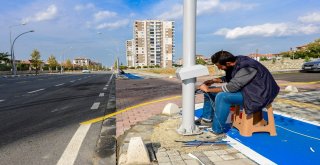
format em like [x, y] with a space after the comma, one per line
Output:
[10, 27]
[62, 58]
[12, 51]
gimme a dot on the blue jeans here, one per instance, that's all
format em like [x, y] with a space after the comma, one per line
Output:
[218, 108]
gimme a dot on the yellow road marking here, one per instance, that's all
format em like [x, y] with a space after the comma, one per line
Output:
[127, 109]
[299, 83]
[299, 104]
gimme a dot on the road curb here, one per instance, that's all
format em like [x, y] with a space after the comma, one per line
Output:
[106, 146]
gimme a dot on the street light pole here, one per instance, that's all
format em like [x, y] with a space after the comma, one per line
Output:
[12, 51]
[10, 27]
[62, 58]
[189, 51]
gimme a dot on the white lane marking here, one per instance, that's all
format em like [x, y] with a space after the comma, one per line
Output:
[95, 105]
[107, 85]
[1, 100]
[72, 81]
[71, 152]
[79, 79]
[105, 88]
[100, 95]
[59, 84]
[36, 90]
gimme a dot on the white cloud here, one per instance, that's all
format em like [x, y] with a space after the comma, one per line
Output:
[227, 6]
[267, 30]
[175, 13]
[49, 14]
[83, 7]
[104, 14]
[113, 25]
[310, 18]
[204, 7]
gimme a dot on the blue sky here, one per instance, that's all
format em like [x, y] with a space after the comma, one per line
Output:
[98, 29]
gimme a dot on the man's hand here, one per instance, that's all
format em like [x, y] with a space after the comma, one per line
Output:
[208, 82]
[204, 87]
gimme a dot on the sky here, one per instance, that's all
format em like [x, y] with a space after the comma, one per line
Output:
[98, 29]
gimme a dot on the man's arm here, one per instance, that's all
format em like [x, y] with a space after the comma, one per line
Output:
[241, 78]
[206, 88]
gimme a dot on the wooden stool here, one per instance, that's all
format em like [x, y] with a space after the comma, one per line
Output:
[248, 124]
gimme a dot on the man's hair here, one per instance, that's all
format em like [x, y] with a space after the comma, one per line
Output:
[222, 57]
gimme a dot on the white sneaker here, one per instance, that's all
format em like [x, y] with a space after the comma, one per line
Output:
[207, 120]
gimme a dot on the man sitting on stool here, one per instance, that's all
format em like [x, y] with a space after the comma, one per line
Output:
[249, 84]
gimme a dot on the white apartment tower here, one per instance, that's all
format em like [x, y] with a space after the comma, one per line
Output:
[130, 53]
[153, 44]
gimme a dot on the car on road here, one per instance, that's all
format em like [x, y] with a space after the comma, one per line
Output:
[86, 71]
[313, 66]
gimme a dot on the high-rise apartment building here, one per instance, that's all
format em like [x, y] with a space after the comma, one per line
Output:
[130, 53]
[152, 44]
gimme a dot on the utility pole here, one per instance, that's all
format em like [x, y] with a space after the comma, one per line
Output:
[14, 69]
[189, 51]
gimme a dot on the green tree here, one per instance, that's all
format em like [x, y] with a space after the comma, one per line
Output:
[52, 62]
[35, 60]
[4, 58]
[307, 59]
[200, 61]
[313, 49]
[68, 64]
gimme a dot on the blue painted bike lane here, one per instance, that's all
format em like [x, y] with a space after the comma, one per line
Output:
[297, 142]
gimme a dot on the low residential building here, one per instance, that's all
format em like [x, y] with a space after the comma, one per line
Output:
[268, 56]
[81, 61]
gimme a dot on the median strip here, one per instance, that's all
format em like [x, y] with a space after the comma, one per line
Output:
[36, 90]
[95, 105]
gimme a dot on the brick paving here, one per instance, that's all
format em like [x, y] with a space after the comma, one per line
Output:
[140, 120]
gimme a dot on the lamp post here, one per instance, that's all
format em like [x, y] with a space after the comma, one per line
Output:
[12, 51]
[10, 27]
[189, 51]
[62, 58]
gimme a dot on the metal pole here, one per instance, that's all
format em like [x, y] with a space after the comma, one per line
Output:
[189, 51]
[12, 51]
[117, 66]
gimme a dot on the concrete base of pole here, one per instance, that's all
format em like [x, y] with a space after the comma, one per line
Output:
[194, 130]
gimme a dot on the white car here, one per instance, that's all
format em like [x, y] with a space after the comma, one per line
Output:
[86, 71]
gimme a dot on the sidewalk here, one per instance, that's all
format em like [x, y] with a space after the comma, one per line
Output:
[159, 131]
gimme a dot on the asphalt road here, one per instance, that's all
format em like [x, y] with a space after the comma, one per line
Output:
[40, 116]
[298, 77]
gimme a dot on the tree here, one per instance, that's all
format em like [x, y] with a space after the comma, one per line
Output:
[35, 60]
[200, 61]
[4, 58]
[4, 61]
[68, 64]
[314, 49]
[52, 62]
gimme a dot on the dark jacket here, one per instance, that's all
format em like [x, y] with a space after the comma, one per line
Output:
[261, 90]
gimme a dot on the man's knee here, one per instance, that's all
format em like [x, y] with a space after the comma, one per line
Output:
[221, 96]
